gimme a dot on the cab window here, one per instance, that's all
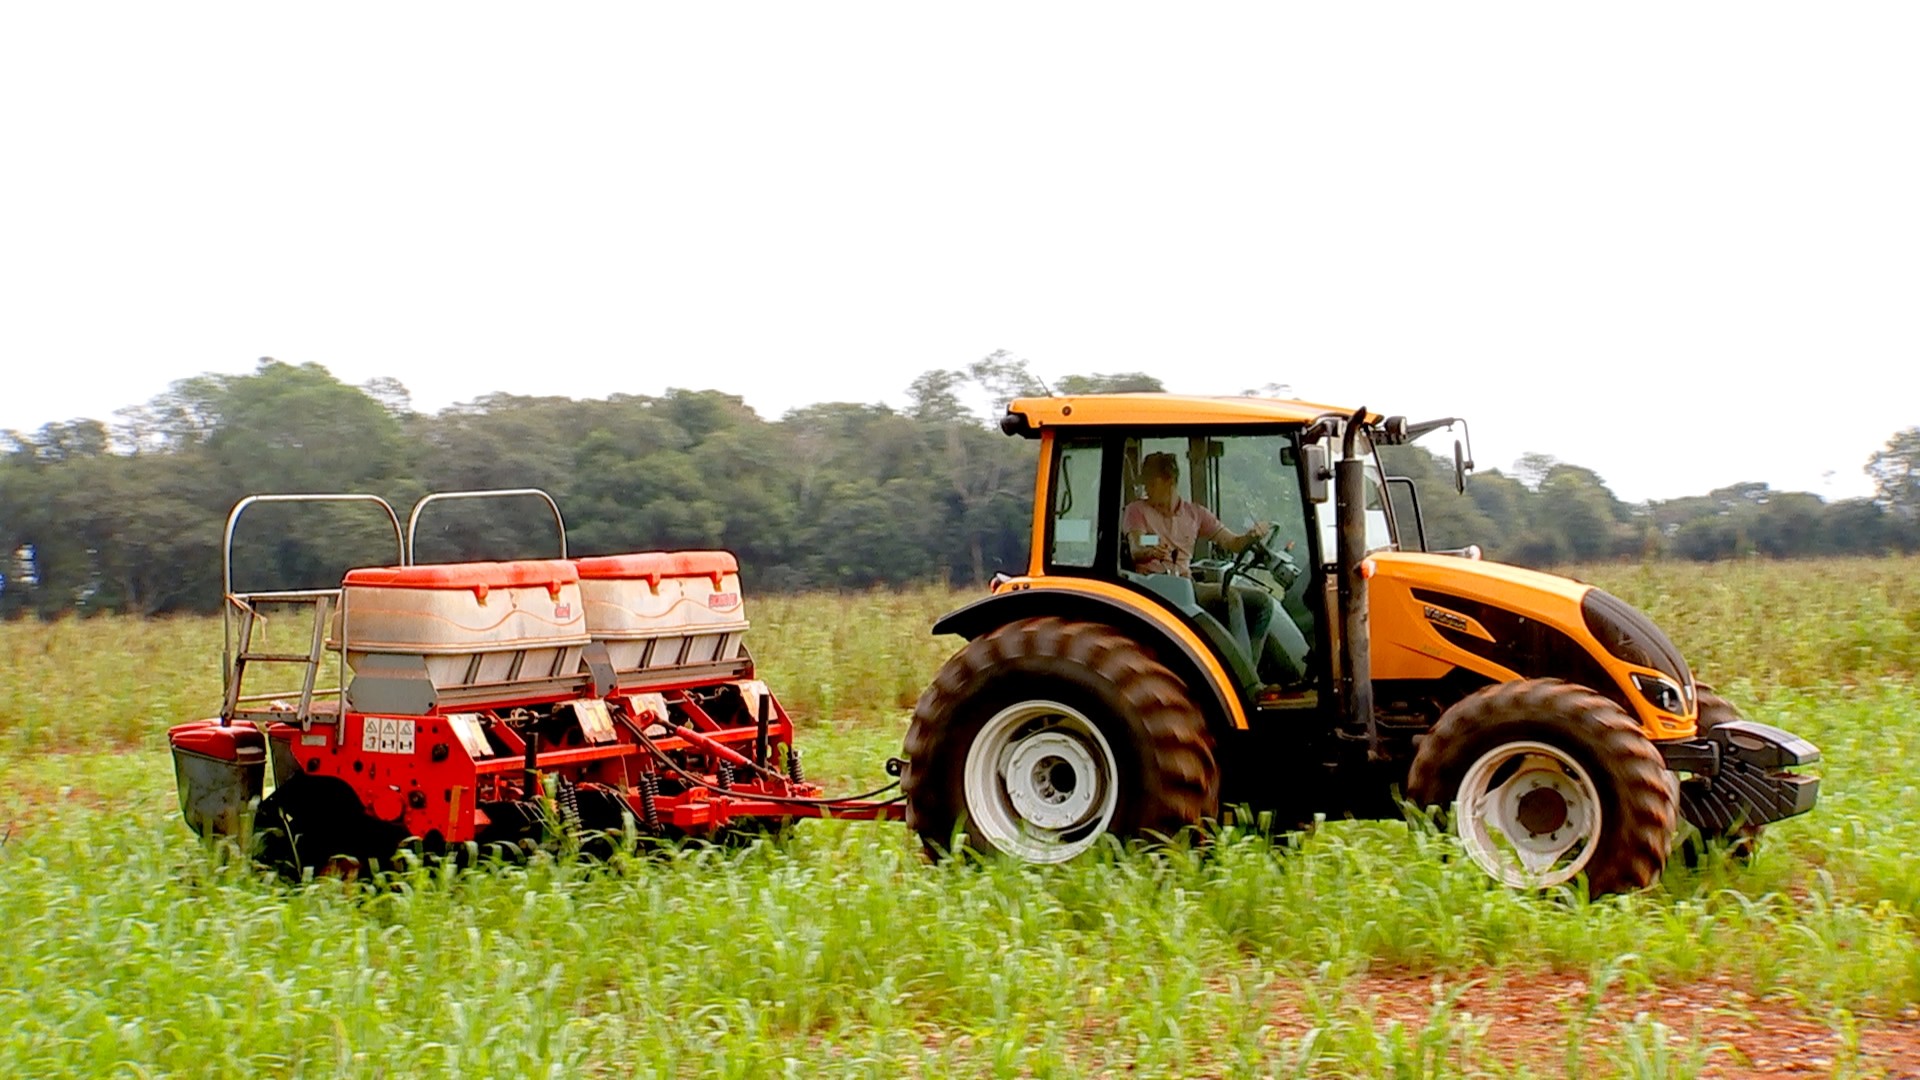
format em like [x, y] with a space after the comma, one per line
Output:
[1379, 523]
[1240, 480]
[1379, 530]
[1072, 534]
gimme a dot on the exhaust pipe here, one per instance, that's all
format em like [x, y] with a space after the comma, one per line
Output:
[1355, 690]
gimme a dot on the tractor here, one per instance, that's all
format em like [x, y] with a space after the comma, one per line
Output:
[1154, 665]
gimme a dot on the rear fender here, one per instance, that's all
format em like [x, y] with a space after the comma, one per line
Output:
[1175, 643]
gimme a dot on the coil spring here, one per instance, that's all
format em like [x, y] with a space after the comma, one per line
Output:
[650, 801]
[796, 772]
[567, 800]
[725, 776]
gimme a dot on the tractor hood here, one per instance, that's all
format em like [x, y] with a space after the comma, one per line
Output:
[1434, 614]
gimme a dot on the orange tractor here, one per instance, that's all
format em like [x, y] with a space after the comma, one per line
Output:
[1225, 606]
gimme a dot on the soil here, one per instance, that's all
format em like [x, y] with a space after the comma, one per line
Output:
[1528, 1020]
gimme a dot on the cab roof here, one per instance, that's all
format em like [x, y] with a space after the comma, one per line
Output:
[1125, 410]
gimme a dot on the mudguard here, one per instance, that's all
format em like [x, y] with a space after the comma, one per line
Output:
[1146, 621]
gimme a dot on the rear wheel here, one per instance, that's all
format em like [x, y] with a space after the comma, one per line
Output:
[1046, 734]
[317, 823]
[1548, 781]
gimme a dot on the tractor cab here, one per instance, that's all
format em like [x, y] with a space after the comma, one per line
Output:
[1214, 525]
[1227, 521]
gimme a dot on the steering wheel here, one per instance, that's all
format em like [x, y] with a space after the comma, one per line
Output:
[1261, 552]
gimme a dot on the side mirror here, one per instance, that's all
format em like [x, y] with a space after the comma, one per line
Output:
[1460, 467]
[1317, 472]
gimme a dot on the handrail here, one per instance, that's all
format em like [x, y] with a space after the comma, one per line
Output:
[233, 519]
[246, 600]
[277, 596]
[413, 519]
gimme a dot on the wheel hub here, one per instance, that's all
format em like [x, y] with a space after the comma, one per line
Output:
[1041, 782]
[1541, 810]
[1043, 779]
[1054, 779]
[1529, 814]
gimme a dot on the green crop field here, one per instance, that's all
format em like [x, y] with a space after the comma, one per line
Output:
[1355, 949]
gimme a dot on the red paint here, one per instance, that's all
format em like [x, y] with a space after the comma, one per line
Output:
[548, 574]
[211, 738]
[450, 788]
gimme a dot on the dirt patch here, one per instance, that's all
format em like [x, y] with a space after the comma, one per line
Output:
[28, 803]
[1532, 1019]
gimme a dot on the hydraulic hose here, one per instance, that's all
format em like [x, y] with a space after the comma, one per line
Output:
[672, 766]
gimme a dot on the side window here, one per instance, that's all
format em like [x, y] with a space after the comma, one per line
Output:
[1072, 533]
[1405, 500]
[1260, 481]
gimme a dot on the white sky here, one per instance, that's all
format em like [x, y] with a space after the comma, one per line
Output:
[1678, 244]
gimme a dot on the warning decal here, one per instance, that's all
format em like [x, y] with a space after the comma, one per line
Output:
[386, 735]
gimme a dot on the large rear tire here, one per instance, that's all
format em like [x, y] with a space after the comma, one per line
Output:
[1548, 781]
[1044, 735]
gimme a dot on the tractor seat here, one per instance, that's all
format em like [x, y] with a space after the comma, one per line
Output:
[1234, 651]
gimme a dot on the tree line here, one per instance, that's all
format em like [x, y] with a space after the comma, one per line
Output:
[127, 516]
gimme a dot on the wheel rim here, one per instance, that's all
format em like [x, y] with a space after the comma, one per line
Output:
[1041, 782]
[1528, 814]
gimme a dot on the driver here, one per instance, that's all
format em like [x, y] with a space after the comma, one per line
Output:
[1163, 528]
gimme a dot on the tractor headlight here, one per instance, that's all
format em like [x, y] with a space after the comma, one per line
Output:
[1662, 693]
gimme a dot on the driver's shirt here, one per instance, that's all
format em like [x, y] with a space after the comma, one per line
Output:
[1179, 529]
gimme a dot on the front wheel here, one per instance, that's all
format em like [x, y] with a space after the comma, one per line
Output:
[1044, 735]
[1548, 781]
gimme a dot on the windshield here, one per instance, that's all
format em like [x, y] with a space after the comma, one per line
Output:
[1231, 482]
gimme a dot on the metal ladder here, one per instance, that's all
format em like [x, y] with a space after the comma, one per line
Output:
[236, 660]
[237, 705]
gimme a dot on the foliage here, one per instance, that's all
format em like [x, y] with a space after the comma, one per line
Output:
[1125, 382]
[1896, 479]
[127, 518]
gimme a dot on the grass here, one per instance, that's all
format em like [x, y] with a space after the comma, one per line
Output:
[842, 951]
